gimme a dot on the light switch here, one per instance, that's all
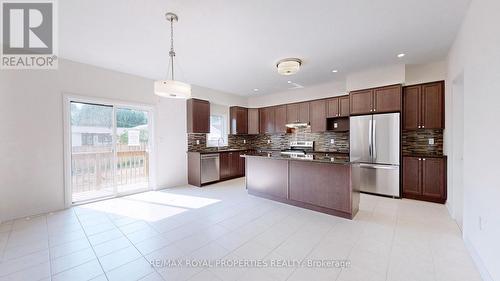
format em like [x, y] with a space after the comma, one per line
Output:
[431, 141]
[268, 141]
[332, 141]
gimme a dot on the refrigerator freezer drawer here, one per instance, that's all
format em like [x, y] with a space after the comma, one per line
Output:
[379, 179]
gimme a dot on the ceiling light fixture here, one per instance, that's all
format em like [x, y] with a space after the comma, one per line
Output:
[289, 82]
[171, 88]
[289, 66]
[401, 55]
[255, 90]
[335, 71]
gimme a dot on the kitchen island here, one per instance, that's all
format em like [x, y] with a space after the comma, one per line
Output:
[319, 182]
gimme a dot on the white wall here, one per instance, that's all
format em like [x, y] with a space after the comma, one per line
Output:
[476, 55]
[31, 130]
[376, 77]
[423, 73]
[309, 93]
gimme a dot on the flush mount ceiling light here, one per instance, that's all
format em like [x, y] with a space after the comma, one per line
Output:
[335, 71]
[172, 88]
[289, 66]
[401, 55]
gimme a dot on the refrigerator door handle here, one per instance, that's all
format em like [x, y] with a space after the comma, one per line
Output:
[375, 166]
[370, 139]
[374, 152]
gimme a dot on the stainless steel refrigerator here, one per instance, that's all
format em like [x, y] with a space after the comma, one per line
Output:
[374, 144]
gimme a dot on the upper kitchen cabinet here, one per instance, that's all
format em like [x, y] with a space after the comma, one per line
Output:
[387, 99]
[318, 116]
[280, 119]
[361, 102]
[253, 121]
[377, 100]
[198, 116]
[337, 107]
[433, 106]
[297, 112]
[423, 106]
[344, 106]
[266, 120]
[238, 120]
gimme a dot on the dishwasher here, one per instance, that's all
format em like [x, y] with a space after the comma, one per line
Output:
[209, 168]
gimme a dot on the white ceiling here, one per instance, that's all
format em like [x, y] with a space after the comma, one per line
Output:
[233, 45]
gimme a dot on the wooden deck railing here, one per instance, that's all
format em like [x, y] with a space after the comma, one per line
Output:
[92, 168]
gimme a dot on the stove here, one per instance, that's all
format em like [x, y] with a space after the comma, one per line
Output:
[299, 149]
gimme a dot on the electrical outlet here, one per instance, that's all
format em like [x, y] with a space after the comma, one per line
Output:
[431, 141]
[268, 141]
[244, 141]
[332, 141]
[198, 142]
[335, 125]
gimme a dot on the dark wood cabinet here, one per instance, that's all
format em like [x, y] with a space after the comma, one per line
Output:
[344, 106]
[423, 106]
[333, 107]
[297, 112]
[231, 164]
[280, 119]
[253, 121]
[224, 165]
[304, 112]
[411, 176]
[266, 120]
[361, 102]
[433, 106]
[376, 100]
[292, 113]
[424, 178]
[387, 99]
[238, 120]
[433, 177]
[198, 116]
[318, 116]
[337, 107]
[321, 184]
[411, 107]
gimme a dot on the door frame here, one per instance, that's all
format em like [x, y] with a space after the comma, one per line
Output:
[70, 97]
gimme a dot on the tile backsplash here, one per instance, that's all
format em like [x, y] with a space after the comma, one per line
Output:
[279, 141]
[417, 142]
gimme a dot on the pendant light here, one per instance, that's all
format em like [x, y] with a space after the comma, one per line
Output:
[171, 88]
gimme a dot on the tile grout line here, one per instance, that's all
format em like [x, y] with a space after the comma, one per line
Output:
[93, 250]
[144, 257]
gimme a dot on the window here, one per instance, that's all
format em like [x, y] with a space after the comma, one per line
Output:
[218, 131]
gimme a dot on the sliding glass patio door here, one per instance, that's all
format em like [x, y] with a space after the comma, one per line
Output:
[110, 150]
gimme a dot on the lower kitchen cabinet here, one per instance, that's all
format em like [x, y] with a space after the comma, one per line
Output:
[231, 164]
[424, 178]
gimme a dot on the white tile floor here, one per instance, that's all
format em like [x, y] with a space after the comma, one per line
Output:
[389, 239]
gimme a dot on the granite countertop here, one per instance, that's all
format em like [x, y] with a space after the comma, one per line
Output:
[221, 150]
[314, 157]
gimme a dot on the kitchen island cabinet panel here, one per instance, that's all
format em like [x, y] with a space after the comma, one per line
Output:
[267, 177]
[321, 184]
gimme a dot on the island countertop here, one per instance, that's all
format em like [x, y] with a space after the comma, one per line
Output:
[312, 157]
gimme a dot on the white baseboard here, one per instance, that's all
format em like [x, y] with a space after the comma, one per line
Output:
[483, 271]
